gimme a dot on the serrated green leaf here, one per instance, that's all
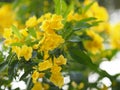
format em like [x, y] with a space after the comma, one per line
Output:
[16, 32]
[32, 32]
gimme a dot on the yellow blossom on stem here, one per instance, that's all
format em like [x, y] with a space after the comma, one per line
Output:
[31, 22]
[7, 33]
[24, 32]
[35, 76]
[55, 69]
[37, 86]
[74, 16]
[60, 60]
[94, 45]
[17, 50]
[57, 79]
[26, 52]
[45, 65]
[54, 23]
[51, 41]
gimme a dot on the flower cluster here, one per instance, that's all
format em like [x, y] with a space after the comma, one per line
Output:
[53, 45]
[39, 35]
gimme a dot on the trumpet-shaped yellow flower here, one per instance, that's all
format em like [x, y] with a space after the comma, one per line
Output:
[26, 52]
[35, 76]
[55, 69]
[31, 22]
[74, 16]
[37, 86]
[47, 64]
[96, 11]
[7, 33]
[94, 45]
[24, 32]
[17, 50]
[51, 41]
[54, 23]
[57, 79]
[60, 60]
[47, 16]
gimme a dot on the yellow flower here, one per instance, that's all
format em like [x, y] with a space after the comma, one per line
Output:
[46, 86]
[35, 76]
[74, 16]
[46, 55]
[6, 17]
[47, 16]
[31, 22]
[26, 52]
[94, 45]
[81, 86]
[96, 11]
[57, 79]
[41, 75]
[55, 69]
[54, 23]
[46, 25]
[17, 50]
[37, 86]
[45, 65]
[60, 60]
[51, 41]
[115, 36]
[24, 32]
[7, 33]
[70, 16]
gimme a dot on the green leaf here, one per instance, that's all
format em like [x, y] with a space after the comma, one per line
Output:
[32, 32]
[74, 39]
[60, 6]
[16, 32]
[16, 44]
[109, 53]
[3, 65]
[12, 69]
[1, 56]
[88, 19]
[29, 84]
[82, 58]
[24, 75]
[88, 6]
[69, 8]
[86, 23]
